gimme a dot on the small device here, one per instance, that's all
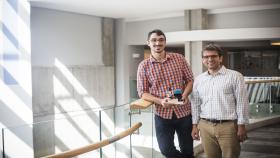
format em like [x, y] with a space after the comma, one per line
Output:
[178, 94]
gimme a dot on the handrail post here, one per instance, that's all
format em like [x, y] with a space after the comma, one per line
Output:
[130, 144]
[3, 147]
[152, 109]
[270, 98]
[100, 132]
[263, 92]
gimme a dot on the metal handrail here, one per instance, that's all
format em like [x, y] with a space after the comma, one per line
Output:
[261, 81]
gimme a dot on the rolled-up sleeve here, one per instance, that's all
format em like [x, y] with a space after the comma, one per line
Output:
[142, 80]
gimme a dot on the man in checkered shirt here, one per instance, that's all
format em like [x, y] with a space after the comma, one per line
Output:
[162, 73]
[219, 107]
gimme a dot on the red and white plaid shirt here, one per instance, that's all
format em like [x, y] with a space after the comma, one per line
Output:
[157, 78]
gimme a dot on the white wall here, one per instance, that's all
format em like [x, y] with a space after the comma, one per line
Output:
[74, 39]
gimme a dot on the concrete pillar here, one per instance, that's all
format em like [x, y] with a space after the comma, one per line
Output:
[195, 20]
[15, 79]
[122, 64]
[188, 52]
[108, 44]
[122, 85]
[187, 14]
[199, 19]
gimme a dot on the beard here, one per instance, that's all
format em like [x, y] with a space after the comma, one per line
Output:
[158, 49]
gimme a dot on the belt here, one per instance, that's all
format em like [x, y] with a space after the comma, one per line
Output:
[216, 121]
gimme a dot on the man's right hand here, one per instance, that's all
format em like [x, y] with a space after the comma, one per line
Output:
[165, 103]
[195, 133]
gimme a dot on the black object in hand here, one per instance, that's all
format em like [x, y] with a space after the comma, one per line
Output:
[178, 94]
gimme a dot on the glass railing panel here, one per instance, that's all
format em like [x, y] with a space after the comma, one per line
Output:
[275, 93]
[78, 131]
[67, 131]
[122, 122]
[142, 141]
[264, 98]
[107, 131]
[144, 144]
[17, 142]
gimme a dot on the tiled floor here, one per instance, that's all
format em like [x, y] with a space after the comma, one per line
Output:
[262, 143]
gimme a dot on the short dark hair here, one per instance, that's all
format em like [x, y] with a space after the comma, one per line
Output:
[213, 47]
[157, 31]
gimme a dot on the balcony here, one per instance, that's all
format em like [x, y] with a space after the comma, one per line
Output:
[118, 130]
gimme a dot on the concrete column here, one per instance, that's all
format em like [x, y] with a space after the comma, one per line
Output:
[193, 56]
[197, 66]
[108, 44]
[188, 52]
[122, 64]
[122, 84]
[187, 14]
[199, 19]
[195, 20]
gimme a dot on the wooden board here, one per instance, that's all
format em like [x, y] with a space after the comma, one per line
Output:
[140, 104]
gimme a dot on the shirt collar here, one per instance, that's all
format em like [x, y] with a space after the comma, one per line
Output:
[222, 71]
[152, 59]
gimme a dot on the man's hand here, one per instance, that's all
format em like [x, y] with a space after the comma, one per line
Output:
[166, 103]
[241, 133]
[185, 99]
[195, 133]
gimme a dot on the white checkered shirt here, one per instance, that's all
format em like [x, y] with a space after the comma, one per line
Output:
[221, 96]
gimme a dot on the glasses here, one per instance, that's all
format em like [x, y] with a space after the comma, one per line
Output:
[154, 40]
[210, 56]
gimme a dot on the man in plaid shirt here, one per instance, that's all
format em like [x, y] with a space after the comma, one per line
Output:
[156, 77]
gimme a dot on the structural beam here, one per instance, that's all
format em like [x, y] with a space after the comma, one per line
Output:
[224, 34]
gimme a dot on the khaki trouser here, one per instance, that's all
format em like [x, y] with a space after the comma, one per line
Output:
[219, 139]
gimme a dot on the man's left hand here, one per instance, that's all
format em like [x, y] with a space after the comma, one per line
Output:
[185, 99]
[241, 133]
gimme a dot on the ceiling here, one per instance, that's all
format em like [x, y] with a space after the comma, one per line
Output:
[147, 9]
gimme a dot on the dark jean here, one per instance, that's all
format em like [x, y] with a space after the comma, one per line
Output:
[165, 131]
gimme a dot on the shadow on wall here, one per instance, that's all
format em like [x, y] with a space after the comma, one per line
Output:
[68, 98]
